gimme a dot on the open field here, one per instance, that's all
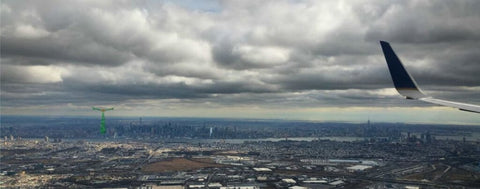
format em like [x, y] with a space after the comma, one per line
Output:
[427, 174]
[462, 176]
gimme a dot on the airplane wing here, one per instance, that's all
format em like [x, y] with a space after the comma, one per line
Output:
[406, 85]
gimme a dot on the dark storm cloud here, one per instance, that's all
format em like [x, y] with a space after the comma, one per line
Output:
[103, 33]
[53, 31]
[328, 80]
[234, 88]
[426, 22]
[167, 91]
[285, 53]
[53, 50]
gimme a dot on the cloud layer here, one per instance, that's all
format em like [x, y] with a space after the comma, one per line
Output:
[234, 53]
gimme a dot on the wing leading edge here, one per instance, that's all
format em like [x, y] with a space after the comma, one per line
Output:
[406, 85]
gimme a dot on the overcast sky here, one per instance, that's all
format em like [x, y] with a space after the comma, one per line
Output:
[281, 59]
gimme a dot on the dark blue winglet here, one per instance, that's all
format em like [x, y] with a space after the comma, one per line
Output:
[406, 85]
[401, 78]
[403, 82]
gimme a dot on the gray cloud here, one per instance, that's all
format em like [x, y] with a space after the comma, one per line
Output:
[265, 53]
[60, 49]
[426, 22]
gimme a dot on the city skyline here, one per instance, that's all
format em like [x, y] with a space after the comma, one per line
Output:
[304, 60]
[69, 152]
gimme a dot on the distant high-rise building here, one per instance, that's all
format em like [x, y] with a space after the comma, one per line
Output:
[46, 138]
[428, 137]
[11, 138]
[367, 131]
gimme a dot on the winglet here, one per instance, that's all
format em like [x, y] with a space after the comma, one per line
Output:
[407, 87]
[404, 83]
